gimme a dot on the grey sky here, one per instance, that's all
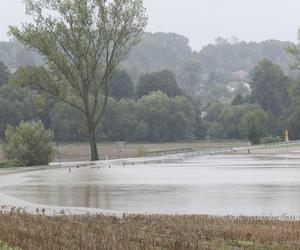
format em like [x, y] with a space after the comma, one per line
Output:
[202, 20]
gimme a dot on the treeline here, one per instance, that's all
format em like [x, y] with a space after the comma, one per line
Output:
[154, 118]
[156, 110]
[167, 92]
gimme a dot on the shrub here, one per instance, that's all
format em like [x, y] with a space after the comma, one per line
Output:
[10, 164]
[253, 125]
[29, 143]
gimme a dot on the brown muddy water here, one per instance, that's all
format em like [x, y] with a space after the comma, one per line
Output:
[214, 185]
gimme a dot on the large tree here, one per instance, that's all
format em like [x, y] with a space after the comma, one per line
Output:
[269, 87]
[83, 43]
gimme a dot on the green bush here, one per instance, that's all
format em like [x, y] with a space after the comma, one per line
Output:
[30, 143]
[253, 125]
[10, 164]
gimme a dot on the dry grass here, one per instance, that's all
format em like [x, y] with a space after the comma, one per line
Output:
[148, 232]
[73, 152]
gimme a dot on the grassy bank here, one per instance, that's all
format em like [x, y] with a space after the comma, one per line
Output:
[81, 151]
[148, 232]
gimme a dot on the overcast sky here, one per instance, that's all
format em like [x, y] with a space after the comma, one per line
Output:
[202, 20]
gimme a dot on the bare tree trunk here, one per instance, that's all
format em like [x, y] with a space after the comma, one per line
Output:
[93, 144]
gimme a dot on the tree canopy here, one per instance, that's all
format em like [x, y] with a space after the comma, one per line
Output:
[269, 87]
[121, 86]
[253, 125]
[164, 81]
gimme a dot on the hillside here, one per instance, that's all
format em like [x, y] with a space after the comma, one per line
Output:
[158, 51]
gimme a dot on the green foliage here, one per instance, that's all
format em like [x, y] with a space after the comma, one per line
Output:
[132, 120]
[214, 112]
[10, 164]
[155, 117]
[270, 88]
[16, 105]
[190, 76]
[163, 81]
[216, 130]
[201, 127]
[253, 125]
[238, 100]
[168, 118]
[121, 121]
[225, 119]
[83, 43]
[121, 86]
[4, 74]
[68, 124]
[29, 143]
[205, 76]
[212, 93]
[293, 119]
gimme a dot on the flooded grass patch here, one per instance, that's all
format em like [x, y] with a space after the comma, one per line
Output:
[148, 232]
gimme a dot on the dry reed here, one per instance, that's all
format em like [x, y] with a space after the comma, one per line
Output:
[147, 232]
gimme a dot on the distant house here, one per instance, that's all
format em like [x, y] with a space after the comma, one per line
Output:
[241, 74]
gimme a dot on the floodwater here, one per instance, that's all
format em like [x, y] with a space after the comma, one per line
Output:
[214, 185]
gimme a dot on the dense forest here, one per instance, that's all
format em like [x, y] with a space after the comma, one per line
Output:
[165, 91]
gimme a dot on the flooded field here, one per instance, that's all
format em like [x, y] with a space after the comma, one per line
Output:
[215, 185]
